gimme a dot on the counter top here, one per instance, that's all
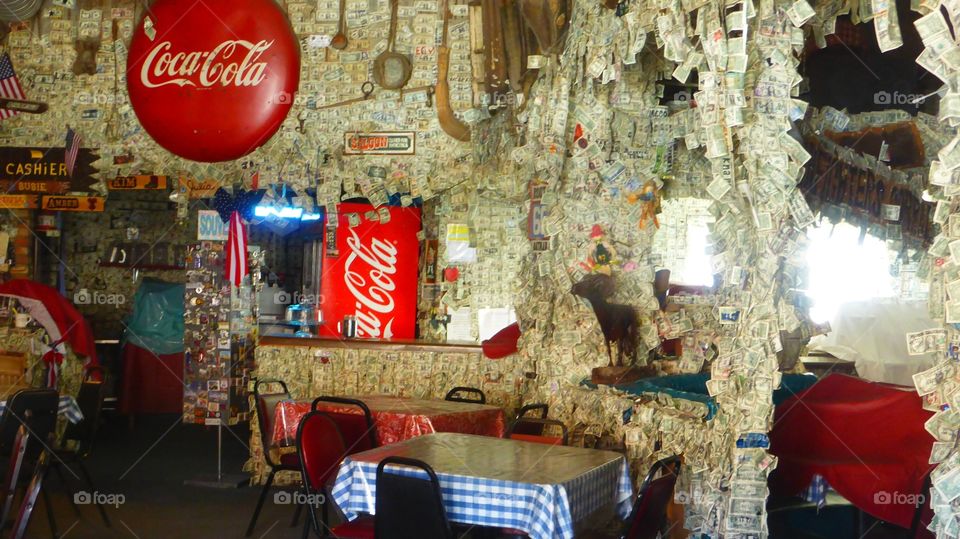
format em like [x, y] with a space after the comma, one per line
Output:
[392, 345]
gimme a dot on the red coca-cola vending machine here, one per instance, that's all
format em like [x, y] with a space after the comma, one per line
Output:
[369, 271]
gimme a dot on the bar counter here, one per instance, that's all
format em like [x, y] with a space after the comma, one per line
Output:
[386, 345]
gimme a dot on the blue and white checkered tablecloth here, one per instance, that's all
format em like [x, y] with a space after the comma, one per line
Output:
[500, 498]
[68, 407]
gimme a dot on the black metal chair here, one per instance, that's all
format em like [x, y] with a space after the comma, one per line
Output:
[530, 411]
[77, 440]
[649, 515]
[266, 403]
[30, 500]
[13, 471]
[321, 447]
[473, 395]
[535, 424]
[358, 430]
[35, 411]
[409, 506]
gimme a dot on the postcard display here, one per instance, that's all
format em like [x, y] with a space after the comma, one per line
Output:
[216, 351]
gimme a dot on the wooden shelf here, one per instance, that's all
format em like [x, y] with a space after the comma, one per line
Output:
[148, 267]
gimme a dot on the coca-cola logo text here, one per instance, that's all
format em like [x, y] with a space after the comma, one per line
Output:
[233, 62]
[373, 293]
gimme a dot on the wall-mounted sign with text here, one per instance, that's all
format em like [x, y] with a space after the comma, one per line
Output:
[15, 202]
[137, 183]
[210, 227]
[42, 171]
[380, 143]
[72, 203]
[213, 82]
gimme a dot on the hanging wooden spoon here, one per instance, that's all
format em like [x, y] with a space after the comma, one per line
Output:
[339, 41]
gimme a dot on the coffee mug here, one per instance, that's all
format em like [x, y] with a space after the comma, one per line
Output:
[21, 320]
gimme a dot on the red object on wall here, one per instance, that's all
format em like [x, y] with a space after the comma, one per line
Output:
[213, 81]
[373, 274]
[152, 383]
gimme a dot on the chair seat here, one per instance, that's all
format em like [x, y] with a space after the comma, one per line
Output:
[358, 528]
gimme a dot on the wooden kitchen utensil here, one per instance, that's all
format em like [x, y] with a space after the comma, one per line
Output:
[449, 122]
[392, 70]
[339, 41]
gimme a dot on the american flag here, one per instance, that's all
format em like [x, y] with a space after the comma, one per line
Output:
[236, 266]
[72, 148]
[9, 85]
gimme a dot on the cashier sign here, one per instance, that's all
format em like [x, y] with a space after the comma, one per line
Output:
[213, 81]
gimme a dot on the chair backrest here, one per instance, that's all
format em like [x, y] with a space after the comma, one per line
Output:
[653, 497]
[321, 448]
[266, 404]
[466, 394]
[537, 411]
[36, 409]
[409, 504]
[90, 401]
[534, 424]
[358, 430]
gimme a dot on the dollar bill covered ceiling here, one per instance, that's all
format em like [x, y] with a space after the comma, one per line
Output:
[568, 112]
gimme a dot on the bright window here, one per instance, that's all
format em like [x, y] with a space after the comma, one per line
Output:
[681, 242]
[842, 268]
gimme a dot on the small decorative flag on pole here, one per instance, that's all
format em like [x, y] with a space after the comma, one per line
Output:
[236, 266]
[72, 149]
[9, 85]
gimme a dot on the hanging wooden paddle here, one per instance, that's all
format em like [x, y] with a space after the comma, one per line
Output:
[449, 122]
[392, 70]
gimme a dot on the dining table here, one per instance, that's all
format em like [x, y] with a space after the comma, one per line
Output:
[398, 418]
[542, 490]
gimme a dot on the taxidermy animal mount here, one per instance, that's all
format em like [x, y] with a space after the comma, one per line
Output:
[619, 324]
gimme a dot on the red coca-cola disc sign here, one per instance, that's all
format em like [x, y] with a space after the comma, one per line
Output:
[213, 80]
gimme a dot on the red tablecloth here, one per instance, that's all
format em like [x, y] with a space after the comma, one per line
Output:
[399, 418]
[152, 383]
[866, 439]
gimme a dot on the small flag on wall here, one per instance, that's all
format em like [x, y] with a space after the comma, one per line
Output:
[72, 149]
[236, 266]
[9, 85]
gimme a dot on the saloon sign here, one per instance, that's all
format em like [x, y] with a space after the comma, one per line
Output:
[213, 81]
[372, 274]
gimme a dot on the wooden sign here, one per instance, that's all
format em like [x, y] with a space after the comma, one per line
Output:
[199, 188]
[130, 183]
[42, 171]
[380, 143]
[14, 202]
[72, 203]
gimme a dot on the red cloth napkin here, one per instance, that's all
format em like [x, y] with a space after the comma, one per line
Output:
[865, 438]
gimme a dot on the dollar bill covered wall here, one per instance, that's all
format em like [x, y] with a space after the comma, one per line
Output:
[53, 53]
[599, 138]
